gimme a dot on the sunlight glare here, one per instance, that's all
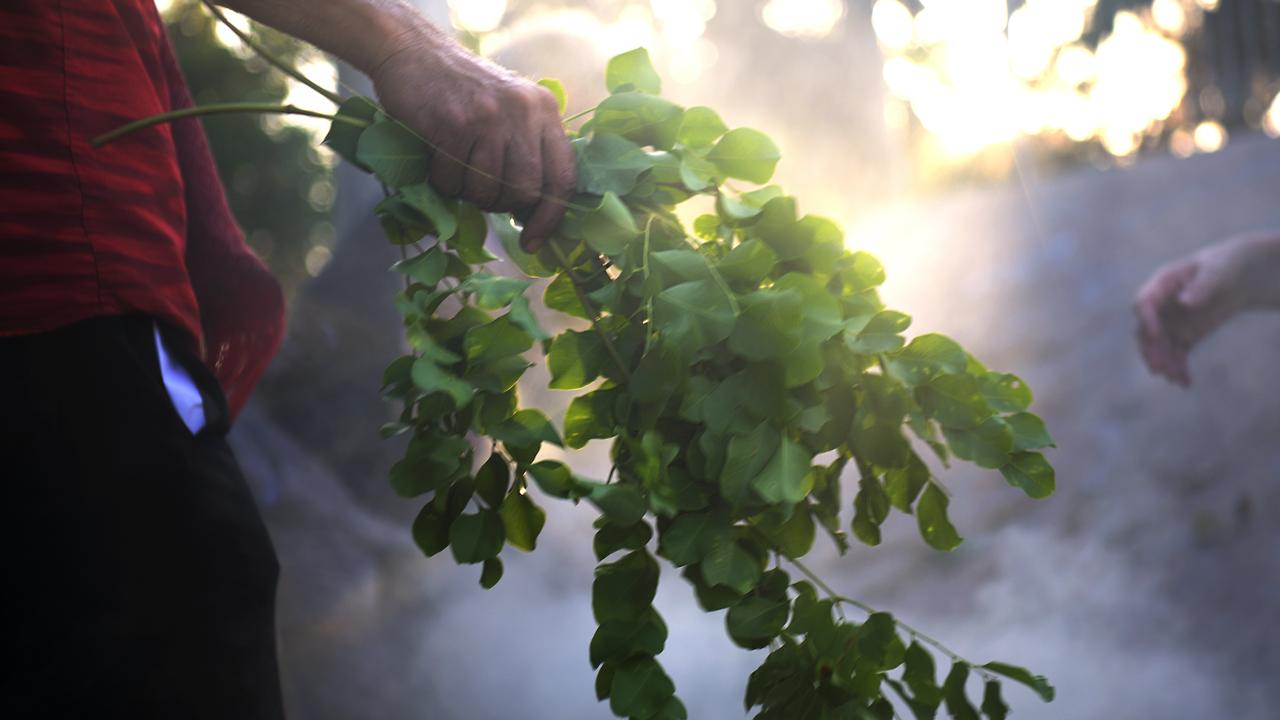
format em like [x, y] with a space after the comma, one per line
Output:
[477, 16]
[892, 23]
[803, 18]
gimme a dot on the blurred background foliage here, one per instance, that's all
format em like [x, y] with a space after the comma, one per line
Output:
[279, 182]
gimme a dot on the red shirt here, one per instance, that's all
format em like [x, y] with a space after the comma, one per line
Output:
[138, 225]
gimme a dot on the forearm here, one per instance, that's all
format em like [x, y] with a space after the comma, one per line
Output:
[364, 33]
[1260, 267]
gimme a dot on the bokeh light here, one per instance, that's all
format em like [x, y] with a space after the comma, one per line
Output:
[803, 18]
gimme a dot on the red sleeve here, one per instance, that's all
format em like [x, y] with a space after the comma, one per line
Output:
[241, 303]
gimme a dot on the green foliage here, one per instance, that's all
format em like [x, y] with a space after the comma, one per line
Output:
[722, 364]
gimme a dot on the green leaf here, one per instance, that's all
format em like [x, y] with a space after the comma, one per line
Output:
[560, 295]
[769, 326]
[1023, 676]
[747, 263]
[476, 537]
[862, 272]
[492, 480]
[697, 173]
[491, 573]
[919, 675]
[438, 215]
[693, 315]
[611, 538]
[641, 118]
[953, 689]
[621, 503]
[393, 153]
[472, 232]
[509, 235]
[701, 127]
[746, 154]
[673, 267]
[876, 636]
[987, 445]
[494, 291]
[427, 268]
[882, 333]
[935, 526]
[727, 563]
[1031, 472]
[795, 536]
[1029, 432]
[526, 427]
[430, 377]
[430, 463]
[430, 530]
[632, 70]
[993, 704]
[589, 417]
[607, 228]
[640, 688]
[903, 485]
[496, 340]
[925, 357]
[745, 457]
[344, 138]
[690, 536]
[871, 507]
[754, 621]
[1004, 392]
[618, 640]
[610, 163]
[522, 520]
[623, 590]
[557, 90]
[574, 359]
[785, 479]
[954, 401]
[555, 479]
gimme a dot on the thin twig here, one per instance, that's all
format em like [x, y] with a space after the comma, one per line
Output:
[273, 60]
[591, 310]
[220, 109]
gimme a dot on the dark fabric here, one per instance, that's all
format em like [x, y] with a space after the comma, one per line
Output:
[139, 577]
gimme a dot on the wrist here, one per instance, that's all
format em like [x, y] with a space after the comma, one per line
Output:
[399, 31]
[1259, 257]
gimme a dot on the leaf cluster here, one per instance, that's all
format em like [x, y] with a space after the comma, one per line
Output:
[740, 366]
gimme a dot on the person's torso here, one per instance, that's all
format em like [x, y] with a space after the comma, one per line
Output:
[87, 231]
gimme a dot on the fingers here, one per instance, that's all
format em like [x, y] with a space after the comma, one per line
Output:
[448, 163]
[559, 179]
[483, 182]
[1155, 300]
[521, 175]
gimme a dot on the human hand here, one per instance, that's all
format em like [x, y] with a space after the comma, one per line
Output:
[497, 138]
[1186, 300]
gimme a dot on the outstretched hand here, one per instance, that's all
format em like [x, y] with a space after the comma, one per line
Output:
[1186, 300]
[497, 138]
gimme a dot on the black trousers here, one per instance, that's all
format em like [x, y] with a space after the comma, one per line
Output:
[138, 577]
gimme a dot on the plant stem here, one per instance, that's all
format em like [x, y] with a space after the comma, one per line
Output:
[577, 115]
[220, 109]
[841, 599]
[591, 310]
[262, 52]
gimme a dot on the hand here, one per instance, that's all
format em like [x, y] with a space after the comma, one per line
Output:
[497, 138]
[1186, 300]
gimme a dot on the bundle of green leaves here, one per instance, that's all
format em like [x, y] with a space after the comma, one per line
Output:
[741, 369]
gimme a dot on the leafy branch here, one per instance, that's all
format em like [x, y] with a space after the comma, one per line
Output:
[721, 363]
